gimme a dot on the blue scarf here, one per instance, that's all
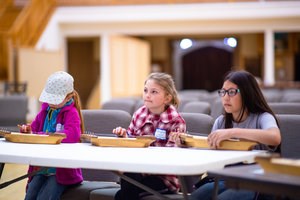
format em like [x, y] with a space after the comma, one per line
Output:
[50, 120]
[50, 127]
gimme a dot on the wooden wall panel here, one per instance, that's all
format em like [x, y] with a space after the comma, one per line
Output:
[35, 67]
[130, 65]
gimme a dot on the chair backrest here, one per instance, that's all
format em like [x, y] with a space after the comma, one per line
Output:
[126, 104]
[139, 103]
[103, 121]
[211, 97]
[197, 107]
[216, 108]
[285, 107]
[272, 95]
[197, 94]
[290, 135]
[291, 97]
[198, 123]
[13, 110]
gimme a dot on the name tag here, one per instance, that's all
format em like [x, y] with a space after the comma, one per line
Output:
[160, 134]
[59, 127]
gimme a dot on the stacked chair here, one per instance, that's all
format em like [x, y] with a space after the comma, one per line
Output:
[13, 111]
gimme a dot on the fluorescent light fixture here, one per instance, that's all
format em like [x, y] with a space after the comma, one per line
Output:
[186, 43]
[231, 41]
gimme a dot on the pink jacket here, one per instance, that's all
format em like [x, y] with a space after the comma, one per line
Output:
[69, 117]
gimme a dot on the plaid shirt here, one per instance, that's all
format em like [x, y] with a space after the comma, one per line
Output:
[145, 123]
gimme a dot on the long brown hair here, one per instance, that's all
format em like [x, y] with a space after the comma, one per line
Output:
[77, 103]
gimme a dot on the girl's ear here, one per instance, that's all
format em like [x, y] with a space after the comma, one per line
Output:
[168, 99]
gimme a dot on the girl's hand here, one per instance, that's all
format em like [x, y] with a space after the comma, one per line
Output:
[120, 132]
[24, 128]
[215, 138]
[175, 137]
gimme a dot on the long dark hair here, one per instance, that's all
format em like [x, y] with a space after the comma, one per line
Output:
[253, 99]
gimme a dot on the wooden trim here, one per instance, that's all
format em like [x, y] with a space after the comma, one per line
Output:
[31, 22]
[138, 2]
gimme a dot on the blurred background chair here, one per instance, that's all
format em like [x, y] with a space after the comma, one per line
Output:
[125, 104]
[139, 103]
[285, 107]
[272, 94]
[216, 108]
[198, 123]
[196, 107]
[98, 121]
[290, 136]
[104, 121]
[197, 94]
[291, 95]
[15, 88]
[13, 111]
[184, 101]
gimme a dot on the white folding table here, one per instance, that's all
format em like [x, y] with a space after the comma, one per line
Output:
[154, 160]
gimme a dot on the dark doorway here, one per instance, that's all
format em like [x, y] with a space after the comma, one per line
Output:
[297, 67]
[205, 67]
[83, 66]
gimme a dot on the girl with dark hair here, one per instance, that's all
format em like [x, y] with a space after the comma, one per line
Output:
[246, 116]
